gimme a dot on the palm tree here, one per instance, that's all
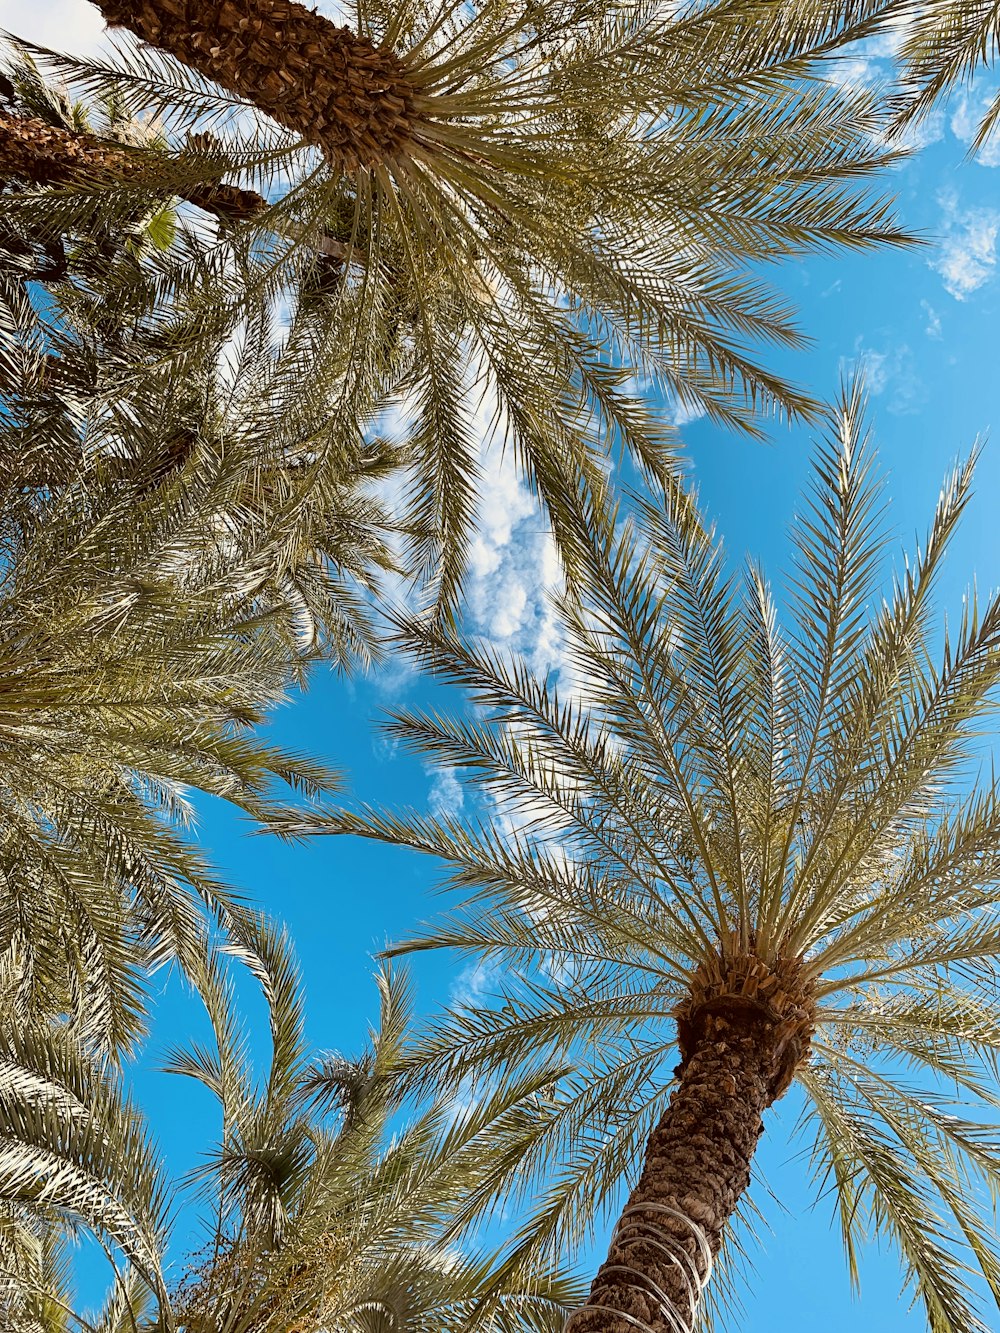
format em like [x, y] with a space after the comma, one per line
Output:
[734, 858]
[541, 204]
[330, 1216]
[46, 139]
[45, 154]
[206, 440]
[318, 1219]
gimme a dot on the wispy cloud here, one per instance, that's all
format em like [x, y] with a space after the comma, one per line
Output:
[967, 114]
[446, 797]
[871, 64]
[682, 414]
[856, 71]
[967, 255]
[933, 326]
[384, 748]
[923, 132]
[866, 64]
[394, 677]
[870, 363]
[477, 982]
[890, 372]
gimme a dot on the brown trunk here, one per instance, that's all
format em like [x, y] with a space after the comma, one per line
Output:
[327, 84]
[742, 1031]
[43, 154]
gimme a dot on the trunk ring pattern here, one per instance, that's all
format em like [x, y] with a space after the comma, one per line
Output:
[637, 1228]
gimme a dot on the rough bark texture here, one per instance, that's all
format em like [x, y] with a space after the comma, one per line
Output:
[334, 88]
[43, 154]
[742, 1030]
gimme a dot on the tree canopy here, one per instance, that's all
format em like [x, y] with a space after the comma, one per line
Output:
[271, 286]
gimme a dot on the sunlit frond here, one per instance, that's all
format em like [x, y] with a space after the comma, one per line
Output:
[580, 200]
[713, 808]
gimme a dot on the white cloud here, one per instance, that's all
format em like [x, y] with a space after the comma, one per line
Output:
[967, 114]
[384, 748]
[871, 64]
[514, 566]
[682, 414]
[446, 797]
[677, 413]
[873, 365]
[866, 64]
[396, 674]
[923, 132]
[965, 118]
[886, 44]
[856, 71]
[477, 981]
[500, 559]
[967, 255]
[547, 648]
[890, 372]
[933, 328]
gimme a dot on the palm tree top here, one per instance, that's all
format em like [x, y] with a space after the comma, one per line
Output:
[733, 820]
[319, 1207]
[588, 198]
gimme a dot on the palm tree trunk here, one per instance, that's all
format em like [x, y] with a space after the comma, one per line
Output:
[327, 84]
[32, 150]
[742, 1032]
[43, 154]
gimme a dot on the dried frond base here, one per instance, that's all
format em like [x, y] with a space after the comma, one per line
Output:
[681, 1243]
[742, 991]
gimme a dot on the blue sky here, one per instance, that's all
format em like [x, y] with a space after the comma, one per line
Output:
[923, 323]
